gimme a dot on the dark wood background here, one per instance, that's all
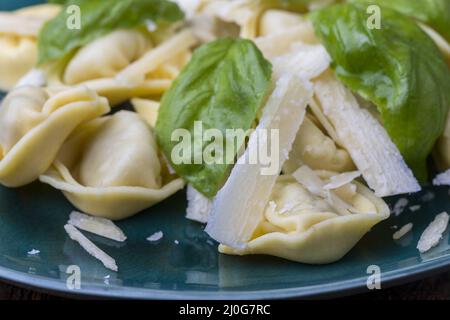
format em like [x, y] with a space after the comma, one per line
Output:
[434, 288]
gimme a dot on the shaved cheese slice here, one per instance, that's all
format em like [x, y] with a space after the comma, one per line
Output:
[368, 143]
[403, 230]
[100, 226]
[91, 248]
[326, 124]
[135, 73]
[156, 236]
[239, 206]
[341, 180]
[280, 43]
[433, 233]
[342, 207]
[310, 60]
[442, 179]
[199, 206]
[400, 206]
[314, 184]
[310, 180]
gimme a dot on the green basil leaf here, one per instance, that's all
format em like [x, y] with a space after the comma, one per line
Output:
[434, 13]
[223, 86]
[99, 17]
[396, 67]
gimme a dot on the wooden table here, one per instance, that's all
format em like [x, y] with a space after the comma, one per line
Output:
[434, 288]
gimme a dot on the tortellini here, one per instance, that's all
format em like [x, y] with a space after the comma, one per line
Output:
[242, 15]
[18, 46]
[34, 126]
[18, 54]
[148, 109]
[317, 150]
[106, 56]
[124, 64]
[110, 167]
[304, 227]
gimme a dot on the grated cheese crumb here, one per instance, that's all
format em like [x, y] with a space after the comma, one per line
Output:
[33, 252]
[415, 208]
[403, 230]
[156, 236]
[399, 206]
[433, 233]
[442, 179]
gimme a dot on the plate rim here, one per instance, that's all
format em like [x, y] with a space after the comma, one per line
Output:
[330, 290]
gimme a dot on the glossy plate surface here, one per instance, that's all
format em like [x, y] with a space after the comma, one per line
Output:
[33, 218]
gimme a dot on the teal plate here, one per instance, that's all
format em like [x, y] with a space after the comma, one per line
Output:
[33, 218]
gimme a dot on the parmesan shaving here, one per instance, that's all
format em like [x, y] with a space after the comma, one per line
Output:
[156, 236]
[442, 179]
[400, 206]
[433, 233]
[91, 248]
[314, 184]
[368, 143]
[33, 252]
[308, 60]
[310, 180]
[239, 206]
[199, 206]
[403, 230]
[341, 180]
[99, 226]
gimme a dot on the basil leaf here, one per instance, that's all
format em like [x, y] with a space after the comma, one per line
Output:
[223, 86]
[99, 17]
[434, 13]
[397, 67]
